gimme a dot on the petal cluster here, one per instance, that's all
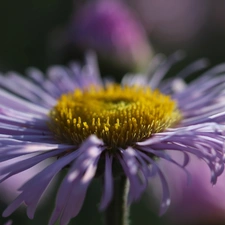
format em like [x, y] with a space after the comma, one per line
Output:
[25, 104]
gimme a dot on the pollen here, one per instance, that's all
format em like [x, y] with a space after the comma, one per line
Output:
[119, 115]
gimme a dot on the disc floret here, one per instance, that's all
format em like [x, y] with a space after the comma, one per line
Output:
[119, 115]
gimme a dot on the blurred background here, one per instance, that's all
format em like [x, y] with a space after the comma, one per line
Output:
[125, 34]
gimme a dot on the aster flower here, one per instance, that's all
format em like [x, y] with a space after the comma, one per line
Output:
[96, 128]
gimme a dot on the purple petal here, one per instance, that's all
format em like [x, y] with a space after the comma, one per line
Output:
[34, 188]
[130, 167]
[108, 183]
[77, 179]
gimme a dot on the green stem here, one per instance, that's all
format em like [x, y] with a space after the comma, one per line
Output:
[117, 212]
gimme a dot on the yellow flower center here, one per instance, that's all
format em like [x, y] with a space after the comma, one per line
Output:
[120, 116]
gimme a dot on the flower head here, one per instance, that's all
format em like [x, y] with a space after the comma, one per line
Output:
[88, 124]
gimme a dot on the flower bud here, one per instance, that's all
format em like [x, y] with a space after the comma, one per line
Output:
[111, 29]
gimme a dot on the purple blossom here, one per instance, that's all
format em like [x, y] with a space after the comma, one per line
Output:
[198, 201]
[113, 31]
[25, 104]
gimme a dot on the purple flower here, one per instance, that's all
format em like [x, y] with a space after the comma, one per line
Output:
[112, 30]
[197, 202]
[95, 127]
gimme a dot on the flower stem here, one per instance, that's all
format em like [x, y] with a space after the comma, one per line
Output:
[118, 210]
